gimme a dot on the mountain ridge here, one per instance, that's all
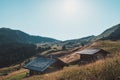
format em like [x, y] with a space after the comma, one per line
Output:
[112, 33]
[10, 35]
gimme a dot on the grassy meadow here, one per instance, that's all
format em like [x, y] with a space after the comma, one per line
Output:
[106, 69]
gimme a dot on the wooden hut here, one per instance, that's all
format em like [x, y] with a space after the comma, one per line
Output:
[43, 65]
[90, 55]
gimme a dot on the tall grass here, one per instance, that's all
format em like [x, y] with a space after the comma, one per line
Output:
[107, 69]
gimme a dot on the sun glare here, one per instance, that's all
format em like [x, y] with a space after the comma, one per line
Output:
[72, 7]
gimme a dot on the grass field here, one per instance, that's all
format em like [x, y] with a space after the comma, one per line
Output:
[108, 69]
[15, 75]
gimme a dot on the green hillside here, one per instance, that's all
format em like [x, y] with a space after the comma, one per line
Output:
[17, 46]
[9, 36]
[112, 33]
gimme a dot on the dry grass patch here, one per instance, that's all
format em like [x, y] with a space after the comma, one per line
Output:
[108, 69]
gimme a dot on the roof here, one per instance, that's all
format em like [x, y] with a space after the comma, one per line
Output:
[40, 64]
[70, 58]
[88, 51]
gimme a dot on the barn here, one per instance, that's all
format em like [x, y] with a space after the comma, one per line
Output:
[44, 65]
[91, 55]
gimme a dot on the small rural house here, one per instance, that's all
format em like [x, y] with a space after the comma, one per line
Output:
[84, 56]
[42, 65]
[90, 55]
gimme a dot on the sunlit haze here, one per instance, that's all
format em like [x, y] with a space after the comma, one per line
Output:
[60, 19]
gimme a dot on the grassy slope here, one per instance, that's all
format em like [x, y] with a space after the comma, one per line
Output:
[16, 75]
[107, 69]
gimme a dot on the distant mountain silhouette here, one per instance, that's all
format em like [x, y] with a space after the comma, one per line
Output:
[81, 40]
[69, 44]
[112, 33]
[10, 36]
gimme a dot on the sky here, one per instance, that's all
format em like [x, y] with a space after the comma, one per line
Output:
[60, 19]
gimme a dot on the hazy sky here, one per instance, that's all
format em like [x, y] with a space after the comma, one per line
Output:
[60, 19]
